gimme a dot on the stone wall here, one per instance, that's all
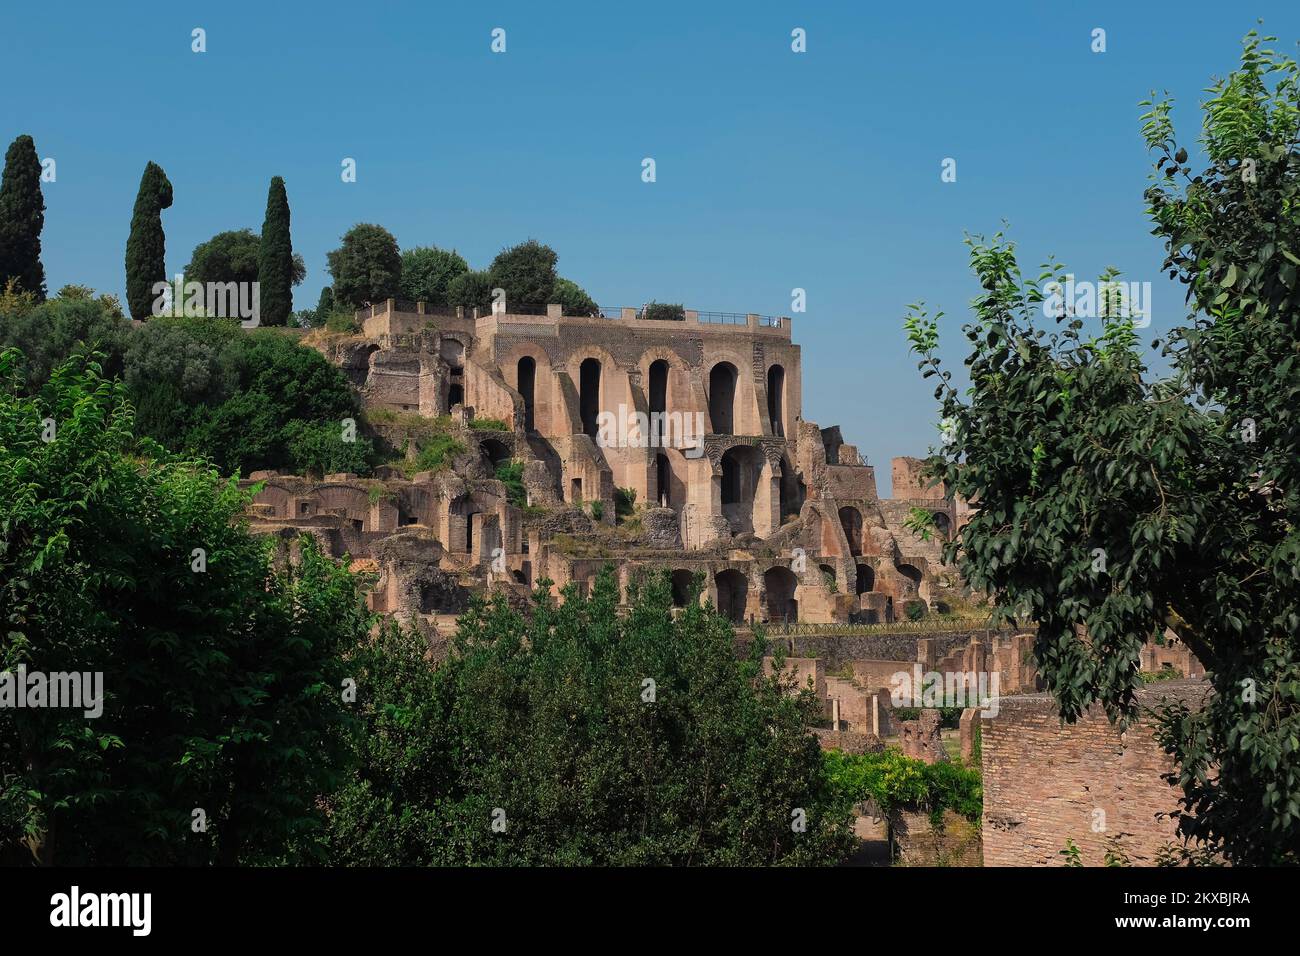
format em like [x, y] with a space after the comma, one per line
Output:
[1045, 783]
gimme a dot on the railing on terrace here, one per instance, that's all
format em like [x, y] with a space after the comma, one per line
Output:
[609, 312]
[930, 503]
[772, 321]
[723, 318]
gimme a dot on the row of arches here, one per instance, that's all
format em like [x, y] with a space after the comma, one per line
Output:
[723, 385]
[732, 587]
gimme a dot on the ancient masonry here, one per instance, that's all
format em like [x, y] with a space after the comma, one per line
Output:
[701, 418]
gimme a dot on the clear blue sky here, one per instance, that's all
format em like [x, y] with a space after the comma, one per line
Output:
[775, 170]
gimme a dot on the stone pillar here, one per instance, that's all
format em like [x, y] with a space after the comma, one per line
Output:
[969, 724]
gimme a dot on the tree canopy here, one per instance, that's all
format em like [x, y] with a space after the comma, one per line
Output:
[1115, 502]
[146, 247]
[22, 216]
[427, 271]
[367, 268]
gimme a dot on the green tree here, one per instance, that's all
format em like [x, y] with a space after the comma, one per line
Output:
[367, 267]
[603, 739]
[324, 307]
[50, 333]
[22, 216]
[575, 301]
[526, 272]
[232, 256]
[220, 686]
[427, 271]
[146, 247]
[471, 290]
[275, 272]
[1115, 503]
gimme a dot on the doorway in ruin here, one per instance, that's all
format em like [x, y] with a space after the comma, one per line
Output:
[526, 376]
[589, 395]
[664, 480]
[942, 525]
[791, 490]
[851, 522]
[496, 452]
[742, 467]
[780, 583]
[683, 582]
[733, 592]
[775, 400]
[658, 399]
[910, 587]
[866, 578]
[722, 397]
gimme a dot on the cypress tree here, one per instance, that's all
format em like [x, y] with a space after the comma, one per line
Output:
[22, 216]
[146, 248]
[275, 260]
[324, 305]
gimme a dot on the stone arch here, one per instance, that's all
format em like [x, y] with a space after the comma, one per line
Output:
[909, 588]
[602, 395]
[776, 399]
[670, 478]
[683, 585]
[495, 451]
[724, 380]
[851, 522]
[866, 578]
[526, 386]
[780, 585]
[942, 525]
[742, 469]
[589, 404]
[666, 379]
[733, 594]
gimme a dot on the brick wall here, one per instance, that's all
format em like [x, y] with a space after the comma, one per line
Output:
[1045, 782]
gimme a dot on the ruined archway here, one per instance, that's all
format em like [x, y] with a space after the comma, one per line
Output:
[791, 490]
[942, 525]
[589, 395]
[495, 451]
[866, 578]
[909, 588]
[526, 376]
[733, 594]
[742, 466]
[851, 522]
[722, 398]
[776, 400]
[658, 400]
[780, 583]
[683, 583]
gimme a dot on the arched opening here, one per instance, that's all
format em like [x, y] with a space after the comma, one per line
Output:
[733, 590]
[722, 398]
[780, 583]
[866, 578]
[526, 376]
[910, 586]
[851, 522]
[941, 524]
[658, 398]
[664, 480]
[495, 451]
[589, 395]
[453, 353]
[791, 490]
[683, 587]
[741, 468]
[775, 398]
[455, 395]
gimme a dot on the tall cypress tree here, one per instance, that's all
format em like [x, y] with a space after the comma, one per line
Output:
[275, 261]
[22, 215]
[146, 249]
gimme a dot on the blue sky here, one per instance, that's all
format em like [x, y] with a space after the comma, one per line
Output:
[775, 170]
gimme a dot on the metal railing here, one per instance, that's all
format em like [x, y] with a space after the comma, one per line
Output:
[723, 318]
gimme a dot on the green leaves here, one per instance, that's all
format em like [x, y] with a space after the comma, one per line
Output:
[1136, 504]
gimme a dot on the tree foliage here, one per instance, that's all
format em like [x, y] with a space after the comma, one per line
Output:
[22, 216]
[547, 725]
[221, 686]
[1115, 503]
[232, 256]
[526, 272]
[146, 247]
[473, 290]
[427, 271]
[367, 268]
[573, 298]
[275, 271]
